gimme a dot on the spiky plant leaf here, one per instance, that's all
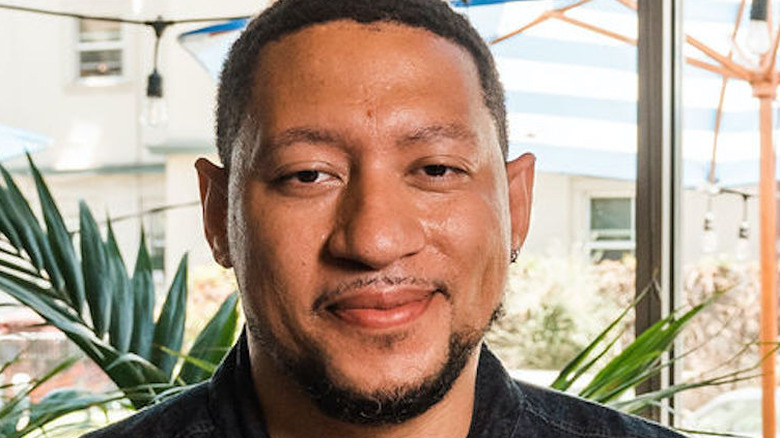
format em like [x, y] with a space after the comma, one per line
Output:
[169, 330]
[60, 241]
[6, 225]
[32, 235]
[213, 342]
[121, 327]
[143, 307]
[95, 267]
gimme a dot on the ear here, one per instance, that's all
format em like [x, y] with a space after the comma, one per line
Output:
[520, 176]
[213, 181]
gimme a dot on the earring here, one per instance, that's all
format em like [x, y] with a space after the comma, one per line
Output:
[513, 255]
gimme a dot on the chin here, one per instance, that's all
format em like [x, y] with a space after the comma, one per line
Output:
[384, 387]
[388, 371]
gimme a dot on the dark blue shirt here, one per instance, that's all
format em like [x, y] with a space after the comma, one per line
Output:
[227, 407]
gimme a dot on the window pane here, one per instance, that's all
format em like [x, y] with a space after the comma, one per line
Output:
[719, 239]
[100, 63]
[600, 255]
[91, 31]
[610, 214]
[571, 100]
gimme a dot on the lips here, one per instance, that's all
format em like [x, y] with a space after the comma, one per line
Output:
[381, 309]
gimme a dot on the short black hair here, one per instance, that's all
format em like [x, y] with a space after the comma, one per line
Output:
[288, 16]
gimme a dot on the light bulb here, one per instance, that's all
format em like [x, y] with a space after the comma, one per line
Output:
[758, 39]
[743, 248]
[155, 112]
[709, 241]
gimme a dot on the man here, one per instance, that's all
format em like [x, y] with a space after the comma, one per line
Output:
[370, 216]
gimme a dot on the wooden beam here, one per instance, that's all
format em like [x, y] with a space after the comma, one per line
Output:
[593, 28]
[767, 210]
[712, 68]
[536, 21]
[722, 98]
[546, 15]
[727, 63]
[572, 6]
[630, 4]
[769, 61]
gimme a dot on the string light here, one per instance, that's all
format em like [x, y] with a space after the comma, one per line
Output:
[743, 247]
[155, 111]
[709, 242]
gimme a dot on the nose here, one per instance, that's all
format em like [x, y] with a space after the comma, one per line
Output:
[378, 224]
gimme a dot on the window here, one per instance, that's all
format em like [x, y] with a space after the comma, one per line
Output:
[611, 228]
[100, 51]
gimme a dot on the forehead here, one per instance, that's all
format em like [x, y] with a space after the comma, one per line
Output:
[344, 74]
[362, 59]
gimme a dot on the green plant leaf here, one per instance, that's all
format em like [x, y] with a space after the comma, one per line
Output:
[35, 243]
[53, 311]
[213, 342]
[61, 402]
[169, 330]
[94, 265]
[576, 368]
[198, 363]
[60, 241]
[18, 265]
[121, 327]
[639, 361]
[53, 405]
[10, 405]
[143, 308]
[6, 225]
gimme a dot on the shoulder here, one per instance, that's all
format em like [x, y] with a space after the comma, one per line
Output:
[185, 415]
[565, 415]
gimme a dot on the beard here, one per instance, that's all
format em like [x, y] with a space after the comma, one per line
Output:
[376, 408]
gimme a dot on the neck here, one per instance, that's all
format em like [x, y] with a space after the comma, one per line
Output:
[289, 413]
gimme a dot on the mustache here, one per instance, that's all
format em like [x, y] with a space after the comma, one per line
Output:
[332, 294]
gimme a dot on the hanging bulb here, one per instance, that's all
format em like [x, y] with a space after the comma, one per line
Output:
[758, 39]
[743, 248]
[709, 242]
[155, 111]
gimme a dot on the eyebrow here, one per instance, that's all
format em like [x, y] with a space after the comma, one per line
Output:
[303, 134]
[312, 135]
[451, 131]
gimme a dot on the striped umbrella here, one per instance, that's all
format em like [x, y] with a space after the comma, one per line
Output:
[15, 142]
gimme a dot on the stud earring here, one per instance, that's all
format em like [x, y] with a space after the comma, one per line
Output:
[513, 255]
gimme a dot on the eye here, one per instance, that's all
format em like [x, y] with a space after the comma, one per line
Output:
[306, 176]
[441, 171]
[439, 176]
[435, 170]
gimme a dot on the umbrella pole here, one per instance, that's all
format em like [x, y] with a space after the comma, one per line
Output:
[767, 212]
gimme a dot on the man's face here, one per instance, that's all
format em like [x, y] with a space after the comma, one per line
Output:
[369, 217]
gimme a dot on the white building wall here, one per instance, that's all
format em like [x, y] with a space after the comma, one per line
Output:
[100, 152]
[559, 220]
[551, 213]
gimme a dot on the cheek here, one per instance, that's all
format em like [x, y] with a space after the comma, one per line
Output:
[474, 237]
[278, 252]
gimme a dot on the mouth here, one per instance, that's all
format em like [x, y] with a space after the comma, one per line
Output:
[381, 309]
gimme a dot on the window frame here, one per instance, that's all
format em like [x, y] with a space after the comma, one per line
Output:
[610, 245]
[98, 46]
